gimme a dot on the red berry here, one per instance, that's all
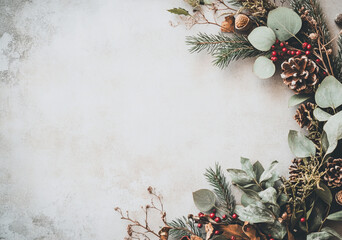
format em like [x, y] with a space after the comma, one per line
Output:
[274, 59]
[212, 215]
[282, 44]
[234, 216]
[325, 73]
[271, 238]
[217, 232]
[274, 53]
[233, 238]
[217, 219]
[224, 217]
[298, 52]
[302, 220]
[199, 225]
[305, 45]
[307, 53]
[277, 41]
[293, 53]
[309, 47]
[288, 52]
[273, 47]
[318, 61]
[286, 43]
[201, 214]
[284, 49]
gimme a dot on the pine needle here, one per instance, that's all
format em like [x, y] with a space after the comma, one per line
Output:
[183, 227]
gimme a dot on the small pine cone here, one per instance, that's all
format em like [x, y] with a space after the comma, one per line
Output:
[304, 115]
[294, 171]
[333, 176]
[300, 74]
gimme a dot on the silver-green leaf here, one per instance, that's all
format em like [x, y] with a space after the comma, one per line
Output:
[285, 23]
[321, 115]
[270, 172]
[329, 93]
[239, 177]
[333, 129]
[300, 145]
[204, 199]
[298, 99]
[337, 216]
[262, 38]
[247, 166]
[263, 67]
[269, 195]
[254, 213]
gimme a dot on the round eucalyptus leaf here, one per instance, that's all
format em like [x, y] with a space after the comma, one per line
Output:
[300, 145]
[285, 23]
[333, 129]
[204, 199]
[321, 115]
[262, 38]
[264, 67]
[329, 93]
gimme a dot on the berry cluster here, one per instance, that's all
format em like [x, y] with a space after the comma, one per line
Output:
[281, 49]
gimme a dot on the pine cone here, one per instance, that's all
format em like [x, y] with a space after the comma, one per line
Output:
[333, 176]
[304, 115]
[300, 74]
[294, 171]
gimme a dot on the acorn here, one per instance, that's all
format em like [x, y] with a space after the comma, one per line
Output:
[228, 24]
[243, 23]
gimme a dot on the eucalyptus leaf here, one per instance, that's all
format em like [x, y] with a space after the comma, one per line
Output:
[333, 129]
[269, 172]
[246, 165]
[329, 93]
[298, 99]
[319, 236]
[332, 232]
[324, 193]
[282, 199]
[262, 38]
[269, 195]
[249, 197]
[276, 229]
[204, 199]
[285, 23]
[179, 11]
[337, 216]
[239, 177]
[258, 169]
[325, 142]
[300, 145]
[321, 115]
[264, 67]
[254, 213]
[317, 215]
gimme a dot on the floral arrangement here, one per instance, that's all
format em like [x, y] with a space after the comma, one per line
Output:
[297, 42]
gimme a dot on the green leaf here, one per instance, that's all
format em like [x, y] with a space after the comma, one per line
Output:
[298, 99]
[204, 199]
[249, 197]
[321, 115]
[276, 229]
[285, 23]
[333, 129]
[324, 193]
[263, 67]
[319, 236]
[332, 232]
[254, 213]
[247, 167]
[179, 11]
[329, 93]
[300, 145]
[282, 199]
[317, 215]
[258, 169]
[337, 216]
[269, 195]
[262, 38]
[269, 172]
[239, 177]
[324, 140]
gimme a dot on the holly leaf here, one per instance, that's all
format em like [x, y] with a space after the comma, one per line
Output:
[300, 145]
[204, 199]
[179, 11]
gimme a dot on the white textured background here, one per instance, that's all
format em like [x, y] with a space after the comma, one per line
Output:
[100, 99]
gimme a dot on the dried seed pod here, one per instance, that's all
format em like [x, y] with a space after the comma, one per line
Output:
[228, 24]
[243, 23]
[338, 197]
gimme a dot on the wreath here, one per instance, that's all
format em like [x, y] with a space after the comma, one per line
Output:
[297, 41]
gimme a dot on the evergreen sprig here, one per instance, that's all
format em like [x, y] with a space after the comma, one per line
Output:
[316, 12]
[183, 227]
[338, 60]
[223, 48]
[222, 189]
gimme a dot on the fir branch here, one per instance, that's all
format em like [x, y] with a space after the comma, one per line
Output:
[316, 12]
[337, 66]
[222, 189]
[222, 47]
[183, 227]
